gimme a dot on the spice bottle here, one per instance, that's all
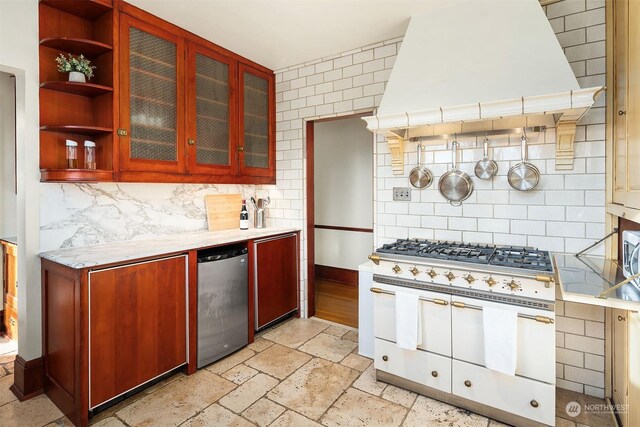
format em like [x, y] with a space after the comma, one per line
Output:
[90, 155]
[72, 154]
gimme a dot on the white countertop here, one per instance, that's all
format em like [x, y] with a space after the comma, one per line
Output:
[118, 252]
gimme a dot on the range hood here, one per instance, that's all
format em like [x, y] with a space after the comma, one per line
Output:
[480, 65]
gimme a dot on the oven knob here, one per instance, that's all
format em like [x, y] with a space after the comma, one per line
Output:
[432, 273]
[513, 285]
[450, 276]
[396, 269]
[414, 271]
[490, 281]
[469, 278]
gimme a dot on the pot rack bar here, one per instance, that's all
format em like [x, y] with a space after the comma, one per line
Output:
[457, 304]
[497, 132]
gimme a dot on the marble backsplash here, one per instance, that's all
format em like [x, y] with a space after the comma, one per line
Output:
[75, 215]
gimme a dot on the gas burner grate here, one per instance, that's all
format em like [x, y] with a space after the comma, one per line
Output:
[507, 256]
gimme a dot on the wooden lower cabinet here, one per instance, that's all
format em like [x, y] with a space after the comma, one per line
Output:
[10, 289]
[109, 331]
[275, 278]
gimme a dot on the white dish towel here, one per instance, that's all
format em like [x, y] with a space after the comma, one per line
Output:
[408, 321]
[500, 339]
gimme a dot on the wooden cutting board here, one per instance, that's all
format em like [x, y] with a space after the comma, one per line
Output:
[223, 211]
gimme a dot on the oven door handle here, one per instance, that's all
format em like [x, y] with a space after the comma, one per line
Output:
[433, 300]
[542, 319]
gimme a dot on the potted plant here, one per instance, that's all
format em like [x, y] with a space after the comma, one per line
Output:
[77, 66]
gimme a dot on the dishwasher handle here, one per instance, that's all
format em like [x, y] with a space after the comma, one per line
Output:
[221, 254]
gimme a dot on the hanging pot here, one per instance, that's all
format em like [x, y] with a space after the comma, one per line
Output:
[524, 176]
[485, 168]
[420, 177]
[455, 185]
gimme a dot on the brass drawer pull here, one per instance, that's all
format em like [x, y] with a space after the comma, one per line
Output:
[621, 319]
[385, 358]
[467, 383]
[534, 403]
[434, 374]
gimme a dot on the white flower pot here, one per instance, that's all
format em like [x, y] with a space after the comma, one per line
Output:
[76, 76]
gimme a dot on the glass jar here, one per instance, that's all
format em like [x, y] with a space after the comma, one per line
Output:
[90, 155]
[72, 154]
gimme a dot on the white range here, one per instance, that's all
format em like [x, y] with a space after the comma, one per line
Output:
[455, 282]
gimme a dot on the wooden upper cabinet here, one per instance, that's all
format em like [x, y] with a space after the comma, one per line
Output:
[624, 54]
[212, 137]
[257, 118]
[151, 95]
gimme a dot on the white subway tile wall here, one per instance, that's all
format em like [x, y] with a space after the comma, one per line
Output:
[565, 214]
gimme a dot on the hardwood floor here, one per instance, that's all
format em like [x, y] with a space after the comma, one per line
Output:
[337, 302]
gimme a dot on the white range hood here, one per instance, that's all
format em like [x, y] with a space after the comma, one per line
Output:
[479, 65]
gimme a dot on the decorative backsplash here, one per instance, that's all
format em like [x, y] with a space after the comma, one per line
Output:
[87, 214]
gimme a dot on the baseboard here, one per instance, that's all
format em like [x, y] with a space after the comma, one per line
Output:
[27, 378]
[335, 274]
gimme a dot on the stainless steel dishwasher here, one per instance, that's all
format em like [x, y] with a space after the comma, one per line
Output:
[223, 297]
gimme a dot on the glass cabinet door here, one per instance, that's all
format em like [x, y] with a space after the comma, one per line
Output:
[211, 113]
[257, 136]
[151, 113]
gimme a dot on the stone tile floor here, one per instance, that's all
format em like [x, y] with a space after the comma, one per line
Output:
[299, 373]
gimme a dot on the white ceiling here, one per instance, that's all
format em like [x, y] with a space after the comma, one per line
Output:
[281, 33]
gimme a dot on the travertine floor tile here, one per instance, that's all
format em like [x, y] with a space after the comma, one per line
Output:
[313, 388]
[35, 412]
[597, 416]
[230, 361]
[400, 396]
[336, 331]
[259, 344]
[108, 422]
[295, 332]
[357, 362]
[66, 422]
[356, 408]
[351, 335]
[244, 396]
[164, 382]
[216, 415]
[240, 374]
[278, 361]
[292, 419]
[263, 412]
[431, 412]
[367, 382]
[494, 423]
[328, 347]
[178, 401]
[6, 395]
[561, 422]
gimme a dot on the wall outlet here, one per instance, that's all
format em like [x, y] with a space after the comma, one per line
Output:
[401, 194]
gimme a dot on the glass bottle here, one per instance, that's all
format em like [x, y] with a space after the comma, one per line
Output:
[72, 154]
[90, 155]
[244, 216]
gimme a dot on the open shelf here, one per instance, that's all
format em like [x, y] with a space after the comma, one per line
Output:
[79, 130]
[84, 89]
[83, 175]
[89, 48]
[88, 9]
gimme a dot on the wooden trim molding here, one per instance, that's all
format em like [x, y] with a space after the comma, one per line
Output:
[339, 228]
[27, 378]
[335, 274]
[310, 229]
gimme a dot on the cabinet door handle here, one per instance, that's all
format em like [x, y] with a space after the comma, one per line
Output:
[534, 403]
[467, 383]
[191, 141]
[385, 357]
[622, 113]
[122, 132]
[621, 319]
[434, 374]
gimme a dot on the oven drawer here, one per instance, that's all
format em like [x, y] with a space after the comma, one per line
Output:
[517, 395]
[536, 340]
[418, 366]
[436, 318]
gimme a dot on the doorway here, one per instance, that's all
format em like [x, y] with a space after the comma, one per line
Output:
[339, 213]
[8, 216]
